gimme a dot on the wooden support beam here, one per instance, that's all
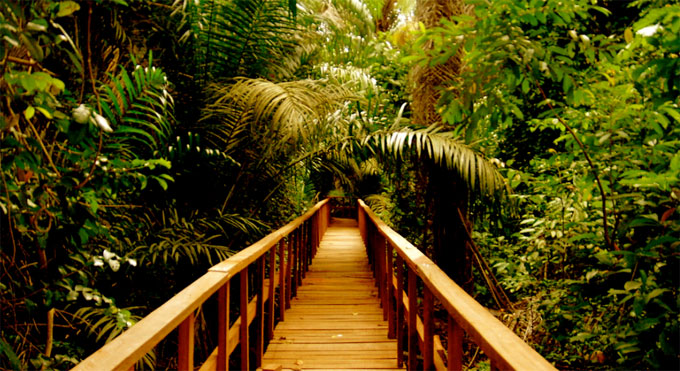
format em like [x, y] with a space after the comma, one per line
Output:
[185, 351]
[455, 346]
[243, 296]
[428, 329]
[282, 280]
[400, 312]
[412, 316]
[290, 241]
[272, 284]
[389, 292]
[223, 327]
[259, 315]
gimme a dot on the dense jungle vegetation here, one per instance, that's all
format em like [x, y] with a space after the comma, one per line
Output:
[144, 141]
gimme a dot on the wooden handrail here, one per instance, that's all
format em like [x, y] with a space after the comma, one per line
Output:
[505, 349]
[301, 236]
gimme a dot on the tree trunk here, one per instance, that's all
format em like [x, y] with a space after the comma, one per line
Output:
[446, 194]
[449, 250]
[427, 80]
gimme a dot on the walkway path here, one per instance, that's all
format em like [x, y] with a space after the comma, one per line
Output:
[335, 321]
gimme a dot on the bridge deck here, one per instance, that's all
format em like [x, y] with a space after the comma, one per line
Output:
[335, 322]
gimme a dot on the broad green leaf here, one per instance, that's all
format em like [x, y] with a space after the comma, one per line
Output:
[67, 8]
[29, 112]
[632, 285]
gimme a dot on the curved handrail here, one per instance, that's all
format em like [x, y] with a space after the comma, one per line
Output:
[505, 349]
[303, 234]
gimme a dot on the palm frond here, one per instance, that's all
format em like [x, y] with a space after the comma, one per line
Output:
[358, 79]
[190, 144]
[109, 322]
[289, 110]
[139, 108]
[381, 204]
[362, 20]
[240, 36]
[443, 148]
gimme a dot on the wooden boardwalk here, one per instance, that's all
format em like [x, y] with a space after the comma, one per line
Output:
[335, 321]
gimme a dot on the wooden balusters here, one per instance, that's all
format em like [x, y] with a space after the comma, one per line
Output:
[296, 261]
[282, 280]
[259, 313]
[400, 311]
[303, 252]
[428, 329]
[455, 346]
[272, 283]
[295, 244]
[243, 296]
[185, 357]
[289, 269]
[505, 351]
[223, 327]
[389, 274]
[412, 320]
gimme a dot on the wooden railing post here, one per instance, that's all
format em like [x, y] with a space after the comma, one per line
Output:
[412, 320]
[428, 329]
[223, 327]
[243, 296]
[282, 280]
[259, 313]
[315, 234]
[308, 245]
[310, 242]
[185, 357]
[382, 268]
[272, 283]
[455, 346]
[298, 259]
[289, 269]
[303, 251]
[400, 311]
[389, 278]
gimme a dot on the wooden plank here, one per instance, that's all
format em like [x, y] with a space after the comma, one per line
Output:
[332, 325]
[335, 321]
[333, 364]
[331, 339]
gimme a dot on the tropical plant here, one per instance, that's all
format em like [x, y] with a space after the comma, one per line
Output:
[597, 194]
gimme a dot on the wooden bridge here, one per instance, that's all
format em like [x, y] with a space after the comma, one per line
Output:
[324, 293]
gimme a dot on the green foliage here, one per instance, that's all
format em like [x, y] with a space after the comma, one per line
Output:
[242, 38]
[279, 102]
[597, 236]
